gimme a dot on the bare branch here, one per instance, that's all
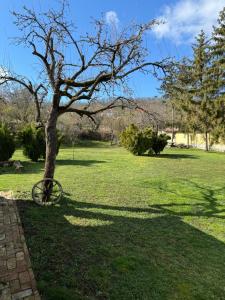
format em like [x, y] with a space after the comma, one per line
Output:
[105, 65]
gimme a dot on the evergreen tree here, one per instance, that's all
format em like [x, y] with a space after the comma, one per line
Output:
[217, 54]
[177, 85]
[188, 87]
[201, 86]
[197, 88]
[217, 73]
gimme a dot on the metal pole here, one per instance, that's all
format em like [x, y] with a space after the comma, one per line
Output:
[172, 125]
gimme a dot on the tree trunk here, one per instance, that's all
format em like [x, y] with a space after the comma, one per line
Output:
[38, 111]
[172, 139]
[206, 142]
[51, 144]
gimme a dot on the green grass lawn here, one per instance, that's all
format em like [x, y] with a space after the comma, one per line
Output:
[129, 227]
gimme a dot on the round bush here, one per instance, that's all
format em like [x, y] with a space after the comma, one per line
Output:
[140, 141]
[7, 143]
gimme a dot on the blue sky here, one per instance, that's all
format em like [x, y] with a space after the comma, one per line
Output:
[183, 19]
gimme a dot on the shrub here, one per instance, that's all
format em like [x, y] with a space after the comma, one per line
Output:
[33, 142]
[135, 140]
[159, 142]
[7, 143]
[94, 135]
[140, 141]
[131, 138]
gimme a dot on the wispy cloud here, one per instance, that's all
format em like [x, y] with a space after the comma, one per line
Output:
[184, 19]
[112, 18]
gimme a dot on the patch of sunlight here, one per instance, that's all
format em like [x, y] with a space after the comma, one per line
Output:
[126, 212]
[212, 226]
[85, 222]
[220, 214]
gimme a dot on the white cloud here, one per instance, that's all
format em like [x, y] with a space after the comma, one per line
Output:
[112, 18]
[3, 71]
[184, 20]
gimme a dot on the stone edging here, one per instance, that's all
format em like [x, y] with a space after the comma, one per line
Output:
[16, 276]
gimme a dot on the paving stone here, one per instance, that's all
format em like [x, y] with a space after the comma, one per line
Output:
[10, 246]
[11, 253]
[3, 286]
[16, 276]
[14, 285]
[2, 236]
[11, 263]
[24, 277]
[13, 275]
[20, 255]
[2, 250]
[6, 294]
[2, 263]
[22, 294]
[7, 220]
[3, 268]
[21, 266]
[26, 285]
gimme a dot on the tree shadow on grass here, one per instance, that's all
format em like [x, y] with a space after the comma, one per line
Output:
[91, 143]
[85, 163]
[92, 251]
[30, 167]
[175, 156]
[206, 203]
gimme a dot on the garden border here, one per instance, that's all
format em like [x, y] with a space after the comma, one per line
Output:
[16, 275]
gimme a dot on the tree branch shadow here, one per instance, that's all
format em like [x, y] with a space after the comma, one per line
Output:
[207, 202]
[84, 163]
[174, 156]
[30, 167]
[88, 250]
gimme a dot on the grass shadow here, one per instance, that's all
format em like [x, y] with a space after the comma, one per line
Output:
[207, 203]
[85, 163]
[30, 167]
[87, 251]
[175, 156]
[91, 143]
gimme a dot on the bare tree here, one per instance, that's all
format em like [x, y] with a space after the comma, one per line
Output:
[76, 71]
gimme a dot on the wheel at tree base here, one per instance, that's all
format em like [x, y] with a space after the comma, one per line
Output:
[47, 191]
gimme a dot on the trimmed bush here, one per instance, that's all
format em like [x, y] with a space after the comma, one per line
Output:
[159, 142]
[7, 143]
[132, 139]
[33, 142]
[140, 141]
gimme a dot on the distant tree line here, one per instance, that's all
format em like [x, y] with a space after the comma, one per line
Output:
[18, 111]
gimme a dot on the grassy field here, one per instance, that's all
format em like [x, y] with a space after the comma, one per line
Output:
[129, 227]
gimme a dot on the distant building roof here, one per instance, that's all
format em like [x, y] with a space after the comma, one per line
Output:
[170, 129]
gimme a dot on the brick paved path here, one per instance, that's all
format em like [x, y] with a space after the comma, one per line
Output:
[16, 276]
